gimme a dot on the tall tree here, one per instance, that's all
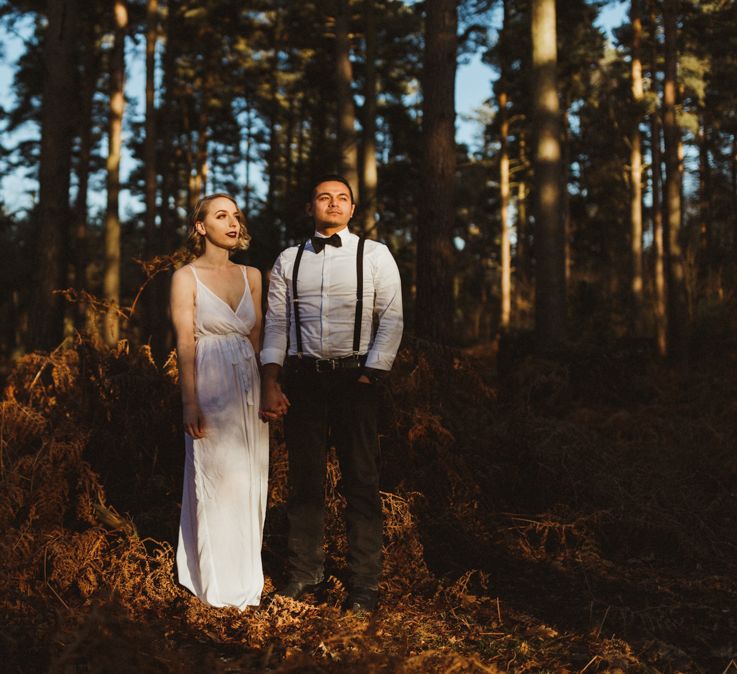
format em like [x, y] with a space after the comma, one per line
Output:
[504, 186]
[635, 175]
[675, 272]
[57, 131]
[368, 137]
[111, 280]
[346, 108]
[149, 152]
[154, 299]
[434, 306]
[550, 290]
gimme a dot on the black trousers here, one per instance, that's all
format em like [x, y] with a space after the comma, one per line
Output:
[332, 407]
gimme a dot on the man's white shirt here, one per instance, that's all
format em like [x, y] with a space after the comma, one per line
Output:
[326, 288]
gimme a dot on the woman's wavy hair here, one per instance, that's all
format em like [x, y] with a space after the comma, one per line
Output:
[196, 241]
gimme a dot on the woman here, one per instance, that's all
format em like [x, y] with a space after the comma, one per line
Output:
[216, 311]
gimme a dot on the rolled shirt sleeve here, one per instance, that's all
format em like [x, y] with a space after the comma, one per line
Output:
[388, 310]
[276, 328]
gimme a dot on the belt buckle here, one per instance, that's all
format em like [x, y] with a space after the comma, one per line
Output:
[325, 361]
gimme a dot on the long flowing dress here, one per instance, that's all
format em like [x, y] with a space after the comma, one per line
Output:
[226, 472]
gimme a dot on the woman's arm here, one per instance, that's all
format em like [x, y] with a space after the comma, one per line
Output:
[254, 283]
[182, 316]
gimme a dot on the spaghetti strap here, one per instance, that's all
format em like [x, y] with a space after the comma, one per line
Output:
[194, 271]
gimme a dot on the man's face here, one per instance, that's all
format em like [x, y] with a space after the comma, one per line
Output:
[331, 206]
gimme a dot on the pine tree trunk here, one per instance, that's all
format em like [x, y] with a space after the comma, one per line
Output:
[504, 190]
[677, 313]
[153, 299]
[636, 282]
[346, 109]
[550, 299]
[705, 239]
[87, 92]
[659, 281]
[149, 149]
[57, 130]
[369, 172]
[435, 258]
[111, 279]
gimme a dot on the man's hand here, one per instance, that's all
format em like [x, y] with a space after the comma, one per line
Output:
[274, 403]
[194, 422]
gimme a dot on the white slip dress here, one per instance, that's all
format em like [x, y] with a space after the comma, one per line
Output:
[226, 472]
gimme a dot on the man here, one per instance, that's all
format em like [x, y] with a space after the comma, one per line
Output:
[325, 296]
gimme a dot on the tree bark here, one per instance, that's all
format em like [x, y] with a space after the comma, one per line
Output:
[57, 130]
[550, 300]
[677, 314]
[636, 282]
[111, 279]
[346, 108]
[505, 246]
[369, 172]
[435, 258]
[659, 282]
[149, 149]
[90, 72]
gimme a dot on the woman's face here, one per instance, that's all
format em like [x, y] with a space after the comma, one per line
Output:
[221, 224]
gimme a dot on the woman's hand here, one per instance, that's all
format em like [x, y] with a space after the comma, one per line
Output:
[194, 422]
[274, 403]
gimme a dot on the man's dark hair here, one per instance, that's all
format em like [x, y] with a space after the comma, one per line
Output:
[328, 177]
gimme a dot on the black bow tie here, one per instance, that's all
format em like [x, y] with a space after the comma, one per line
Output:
[319, 242]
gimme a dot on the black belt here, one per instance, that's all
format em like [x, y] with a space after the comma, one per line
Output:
[310, 364]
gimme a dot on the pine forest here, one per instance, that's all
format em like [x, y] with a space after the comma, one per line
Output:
[559, 431]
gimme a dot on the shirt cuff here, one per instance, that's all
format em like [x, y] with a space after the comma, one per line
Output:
[379, 361]
[272, 355]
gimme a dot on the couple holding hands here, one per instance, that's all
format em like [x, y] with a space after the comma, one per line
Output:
[332, 330]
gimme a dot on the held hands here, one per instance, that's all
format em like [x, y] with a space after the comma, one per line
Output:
[274, 404]
[194, 422]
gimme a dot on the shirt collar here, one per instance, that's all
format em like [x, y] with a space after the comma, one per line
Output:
[344, 234]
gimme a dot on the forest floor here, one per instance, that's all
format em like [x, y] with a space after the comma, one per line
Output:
[569, 514]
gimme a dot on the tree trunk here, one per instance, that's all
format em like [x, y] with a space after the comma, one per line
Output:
[369, 172]
[111, 280]
[505, 252]
[89, 76]
[659, 282]
[677, 314]
[346, 109]
[57, 131]
[636, 283]
[705, 234]
[550, 300]
[153, 299]
[435, 258]
[149, 150]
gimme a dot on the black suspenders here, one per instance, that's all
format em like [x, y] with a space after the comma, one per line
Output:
[359, 297]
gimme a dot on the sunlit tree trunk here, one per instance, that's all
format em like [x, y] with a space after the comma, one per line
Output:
[369, 174]
[111, 279]
[636, 282]
[346, 108]
[550, 299]
[434, 306]
[505, 252]
[57, 130]
[676, 281]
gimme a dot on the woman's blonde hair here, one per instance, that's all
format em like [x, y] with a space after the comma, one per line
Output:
[196, 241]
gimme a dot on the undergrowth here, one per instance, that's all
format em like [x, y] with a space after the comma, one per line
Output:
[574, 514]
